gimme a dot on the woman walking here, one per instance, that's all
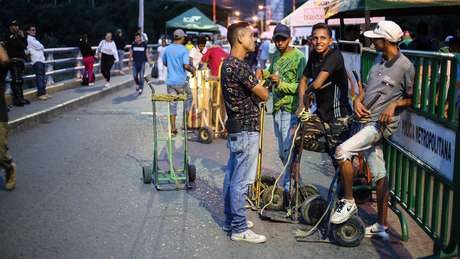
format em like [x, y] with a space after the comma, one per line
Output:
[108, 54]
[162, 70]
[88, 59]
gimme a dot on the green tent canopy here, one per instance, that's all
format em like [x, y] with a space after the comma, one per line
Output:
[193, 20]
[356, 8]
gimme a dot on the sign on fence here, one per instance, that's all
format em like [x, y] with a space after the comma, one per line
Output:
[429, 141]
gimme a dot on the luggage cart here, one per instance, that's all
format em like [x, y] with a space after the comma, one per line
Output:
[173, 178]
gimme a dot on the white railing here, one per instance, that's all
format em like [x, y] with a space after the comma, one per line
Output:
[70, 60]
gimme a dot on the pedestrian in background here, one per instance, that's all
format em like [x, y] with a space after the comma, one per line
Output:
[197, 52]
[214, 57]
[264, 55]
[37, 56]
[176, 59]
[108, 54]
[120, 43]
[88, 60]
[162, 70]
[139, 55]
[16, 45]
[6, 162]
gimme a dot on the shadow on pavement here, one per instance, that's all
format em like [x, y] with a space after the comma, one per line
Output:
[127, 98]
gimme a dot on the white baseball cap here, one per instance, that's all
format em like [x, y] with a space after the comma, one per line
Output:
[388, 30]
[179, 34]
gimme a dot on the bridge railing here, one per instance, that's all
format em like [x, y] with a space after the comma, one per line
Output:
[66, 63]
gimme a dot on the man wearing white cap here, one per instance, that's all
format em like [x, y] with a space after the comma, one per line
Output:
[176, 59]
[391, 78]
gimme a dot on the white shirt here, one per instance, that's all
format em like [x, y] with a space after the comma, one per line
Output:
[36, 50]
[108, 48]
[161, 52]
[196, 55]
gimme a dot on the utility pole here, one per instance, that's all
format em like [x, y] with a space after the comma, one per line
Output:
[141, 15]
[214, 11]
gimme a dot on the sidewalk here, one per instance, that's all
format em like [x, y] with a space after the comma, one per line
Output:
[41, 111]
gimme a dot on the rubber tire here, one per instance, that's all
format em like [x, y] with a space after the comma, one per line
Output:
[191, 173]
[361, 196]
[308, 190]
[268, 180]
[147, 174]
[350, 233]
[205, 135]
[278, 199]
[313, 209]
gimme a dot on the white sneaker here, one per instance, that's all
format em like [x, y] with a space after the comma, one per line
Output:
[377, 230]
[122, 73]
[248, 236]
[228, 228]
[91, 84]
[344, 210]
[107, 84]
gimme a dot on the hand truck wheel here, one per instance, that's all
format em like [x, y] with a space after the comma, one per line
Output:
[205, 135]
[350, 233]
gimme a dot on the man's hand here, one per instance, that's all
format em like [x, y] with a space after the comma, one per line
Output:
[360, 110]
[300, 108]
[387, 114]
[275, 78]
[259, 74]
[21, 33]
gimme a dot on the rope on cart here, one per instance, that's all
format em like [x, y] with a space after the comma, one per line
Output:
[168, 97]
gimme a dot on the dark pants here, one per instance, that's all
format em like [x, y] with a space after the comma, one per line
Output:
[5, 158]
[17, 72]
[40, 78]
[106, 65]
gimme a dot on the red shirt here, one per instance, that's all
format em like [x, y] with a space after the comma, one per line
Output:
[214, 56]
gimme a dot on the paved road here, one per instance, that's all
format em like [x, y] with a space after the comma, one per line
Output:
[80, 195]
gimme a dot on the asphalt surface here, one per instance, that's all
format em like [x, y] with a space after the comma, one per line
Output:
[80, 194]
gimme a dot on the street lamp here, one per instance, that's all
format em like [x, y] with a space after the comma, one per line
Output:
[255, 18]
[237, 13]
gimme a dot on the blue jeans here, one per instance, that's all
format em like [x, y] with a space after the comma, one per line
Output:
[284, 124]
[138, 74]
[240, 172]
[40, 78]
[180, 89]
[121, 56]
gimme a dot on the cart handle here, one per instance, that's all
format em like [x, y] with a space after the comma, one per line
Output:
[150, 84]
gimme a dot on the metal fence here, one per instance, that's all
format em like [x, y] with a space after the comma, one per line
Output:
[66, 63]
[426, 192]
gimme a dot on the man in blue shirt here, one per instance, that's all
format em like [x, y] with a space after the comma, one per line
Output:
[139, 55]
[176, 59]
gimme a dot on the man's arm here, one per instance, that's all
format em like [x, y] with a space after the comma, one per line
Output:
[303, 84]
[261, 92]
[4, 59]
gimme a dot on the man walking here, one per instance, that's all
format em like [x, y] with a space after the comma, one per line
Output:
[285, 71]
[139, 55]
[16, 44]
[176, 59]
[242, 95]
[120, 43]
[392, 78]
[37, 56]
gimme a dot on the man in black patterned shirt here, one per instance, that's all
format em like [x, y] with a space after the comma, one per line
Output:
[242, 95]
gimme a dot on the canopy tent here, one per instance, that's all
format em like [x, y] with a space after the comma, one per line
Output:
[193, 20]
[356, 8]
[313, 12]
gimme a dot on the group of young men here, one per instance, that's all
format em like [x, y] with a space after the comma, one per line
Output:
[324, 78]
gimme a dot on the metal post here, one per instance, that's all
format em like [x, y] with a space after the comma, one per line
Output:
[141, 15]
[79, 63]
[214, 11]
[49, 68]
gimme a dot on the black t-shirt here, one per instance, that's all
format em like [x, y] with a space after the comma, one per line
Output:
[241, 104]
[332, 101]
